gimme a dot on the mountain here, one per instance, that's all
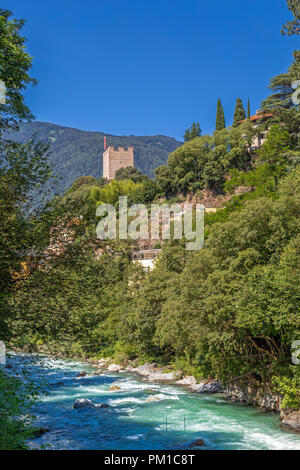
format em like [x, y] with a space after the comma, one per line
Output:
[75, 152]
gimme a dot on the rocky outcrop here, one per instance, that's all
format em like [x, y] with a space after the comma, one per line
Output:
[153, 373]
[187, 380]
[86, 403]
[206, 386]
[83, 403]
[114, 388]
[114, 368]
[252, 395]
[82, 374]
[195, 444]
[290, 420]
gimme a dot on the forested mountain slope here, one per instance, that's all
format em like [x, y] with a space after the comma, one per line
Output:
[75, 152]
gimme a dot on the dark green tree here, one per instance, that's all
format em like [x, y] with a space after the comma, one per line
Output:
[239, 112]
[220, 118]
[15, 64]
[248, 109]
[130, 173]
[292, 27]
[282, 89]
[192, 132]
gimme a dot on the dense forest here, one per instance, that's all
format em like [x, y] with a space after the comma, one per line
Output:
[229, 310]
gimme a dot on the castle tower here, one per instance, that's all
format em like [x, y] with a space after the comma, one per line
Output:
[115, 158]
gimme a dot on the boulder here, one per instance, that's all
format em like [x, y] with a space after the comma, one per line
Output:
[291, 421]
[207, 387]
[38, 432]
[197, 443]
[187, 380]
[114, 368]
[82, 374]
[113, 388]
[83, 403]
[103, 405]
[152, 398]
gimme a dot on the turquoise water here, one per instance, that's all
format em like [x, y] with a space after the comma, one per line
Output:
[132, 423]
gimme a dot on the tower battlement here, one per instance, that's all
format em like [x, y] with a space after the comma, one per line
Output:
[115, 158]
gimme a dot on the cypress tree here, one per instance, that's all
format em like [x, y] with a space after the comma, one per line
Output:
[239, 112]
[248, 110]
[220, 118]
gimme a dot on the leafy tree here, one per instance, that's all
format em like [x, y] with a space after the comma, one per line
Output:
[15, 65]
[293, 27]
[164, 180]
[192, 132]
[112, 190]
[201, 163]
[130, 173]
[220, 118]
[281, 87]
[239, 112]
[276, 150]
[17, 395]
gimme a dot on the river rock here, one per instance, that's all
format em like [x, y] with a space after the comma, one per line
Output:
[152, 398]
[254, 395]
[197, 443]
[82, 374]
[103, 405]
[207, 387]
[291, 421]
[113, 388]
[114, 368]
[38, 432]
[187, 380]
[83, 403]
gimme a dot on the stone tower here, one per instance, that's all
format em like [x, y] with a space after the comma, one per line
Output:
[115, 158]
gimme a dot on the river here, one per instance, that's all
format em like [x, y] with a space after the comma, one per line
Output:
[131, 423]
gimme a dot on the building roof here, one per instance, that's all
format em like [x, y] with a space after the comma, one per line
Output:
[257, 116]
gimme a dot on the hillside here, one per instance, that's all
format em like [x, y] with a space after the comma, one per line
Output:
[75, 152]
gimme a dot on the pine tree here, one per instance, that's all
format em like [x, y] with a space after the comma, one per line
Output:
[220, 118]
[192, 132]
[239, 112]
[248, 110]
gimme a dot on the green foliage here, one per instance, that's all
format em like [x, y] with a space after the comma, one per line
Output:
[130, 173]
[15, 64]
[248, 109]
[202, 162]
[112, 190]
[192, 132]
[239, 112]
[281, 87]
[17, 395]
[292, 27]
[220, 118]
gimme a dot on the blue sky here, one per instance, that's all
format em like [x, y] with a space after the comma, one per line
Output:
[150, 67]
